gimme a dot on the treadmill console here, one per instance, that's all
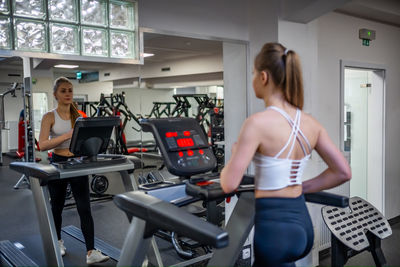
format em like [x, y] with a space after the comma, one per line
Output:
[183, 145]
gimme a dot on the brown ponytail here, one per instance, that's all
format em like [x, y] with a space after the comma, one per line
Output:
[74, 114]
[284, 67]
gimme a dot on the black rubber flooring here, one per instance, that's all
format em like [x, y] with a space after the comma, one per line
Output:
[18, 223]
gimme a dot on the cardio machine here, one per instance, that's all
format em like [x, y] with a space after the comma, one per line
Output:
[187, 154]
[90, 137]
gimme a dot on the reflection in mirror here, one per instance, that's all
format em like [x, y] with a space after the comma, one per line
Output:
[180, 77]
[11, 104]
[183, 77]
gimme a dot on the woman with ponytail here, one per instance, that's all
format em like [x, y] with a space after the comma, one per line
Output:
[279, 140]
[55, 133]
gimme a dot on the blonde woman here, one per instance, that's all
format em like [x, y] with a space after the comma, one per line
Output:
[55, 133]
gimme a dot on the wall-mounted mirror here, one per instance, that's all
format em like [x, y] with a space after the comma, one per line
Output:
[180, 77]
[11, 103]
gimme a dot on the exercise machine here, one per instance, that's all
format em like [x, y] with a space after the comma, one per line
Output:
[182, 106]
[90, 137]
[353, 232]
[187, 155]
[161, 108]
[12, 92]
[29, 141]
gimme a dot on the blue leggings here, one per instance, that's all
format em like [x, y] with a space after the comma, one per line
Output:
[283, 231]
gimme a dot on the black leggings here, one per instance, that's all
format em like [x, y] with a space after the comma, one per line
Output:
[80, 191]
[283, 231]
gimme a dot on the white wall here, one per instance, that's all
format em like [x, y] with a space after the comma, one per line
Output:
[93, 89]
[12, 105]
[188, 66]
[338, 39]
[321, 45]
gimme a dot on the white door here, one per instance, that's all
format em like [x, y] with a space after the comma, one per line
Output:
[363, 140]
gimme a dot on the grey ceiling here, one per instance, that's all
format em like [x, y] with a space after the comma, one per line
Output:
[168, 48]
[384, 11]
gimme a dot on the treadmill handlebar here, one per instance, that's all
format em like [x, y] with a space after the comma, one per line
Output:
[208, 190]
[159, 214]
[44, 172]
[329, 199]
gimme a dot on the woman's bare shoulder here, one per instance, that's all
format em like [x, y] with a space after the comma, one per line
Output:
[48, 117]
[309, 119]
[261, 119]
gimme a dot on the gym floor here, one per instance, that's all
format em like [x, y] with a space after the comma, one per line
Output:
[19, 224]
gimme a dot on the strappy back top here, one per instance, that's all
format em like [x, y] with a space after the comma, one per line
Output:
[272, 173]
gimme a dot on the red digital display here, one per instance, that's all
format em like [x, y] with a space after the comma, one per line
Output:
[171, 134]
[185, 142]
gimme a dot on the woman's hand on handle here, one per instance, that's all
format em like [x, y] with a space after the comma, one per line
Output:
[68, 135]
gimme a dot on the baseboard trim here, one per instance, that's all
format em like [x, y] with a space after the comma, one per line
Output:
[394, 220]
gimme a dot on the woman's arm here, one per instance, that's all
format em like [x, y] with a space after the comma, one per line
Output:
[242, 153]
[338, 171]
[44, 142]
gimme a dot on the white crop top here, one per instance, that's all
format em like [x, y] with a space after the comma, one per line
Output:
[272, 173]
[60, 127]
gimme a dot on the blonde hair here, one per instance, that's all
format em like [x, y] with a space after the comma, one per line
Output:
[284, 67]
[72, 109]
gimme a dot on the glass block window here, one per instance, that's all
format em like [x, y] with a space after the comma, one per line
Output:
[121, 44]
[4, 8]
[94, 42]
[5, 37]
[121, 15]
[30, 35]
[63, 10]
[94, 12]
[64, 39]
[99, 28]
[30, 8]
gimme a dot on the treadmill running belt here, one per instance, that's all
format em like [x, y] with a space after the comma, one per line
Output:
[13, 255]
[99, 244]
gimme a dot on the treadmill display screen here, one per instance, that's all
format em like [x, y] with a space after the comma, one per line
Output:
[183, 145]
[185, 142]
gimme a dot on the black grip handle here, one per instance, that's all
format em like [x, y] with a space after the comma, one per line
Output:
[329, 199]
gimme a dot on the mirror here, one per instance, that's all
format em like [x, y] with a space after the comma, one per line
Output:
[11, 104]
[180, 77]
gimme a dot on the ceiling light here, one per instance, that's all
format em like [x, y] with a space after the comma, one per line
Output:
[148, 54]
[65, 66]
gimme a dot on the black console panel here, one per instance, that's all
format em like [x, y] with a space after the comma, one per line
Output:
[183, 145]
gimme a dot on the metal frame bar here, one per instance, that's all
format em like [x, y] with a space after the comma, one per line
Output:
[46, 223]
[45, 216]
[134, 249]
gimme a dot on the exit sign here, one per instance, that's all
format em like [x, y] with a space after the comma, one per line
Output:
[365, 42]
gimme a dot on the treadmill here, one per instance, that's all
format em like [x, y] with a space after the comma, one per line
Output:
[187, 154]
[90, 137]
